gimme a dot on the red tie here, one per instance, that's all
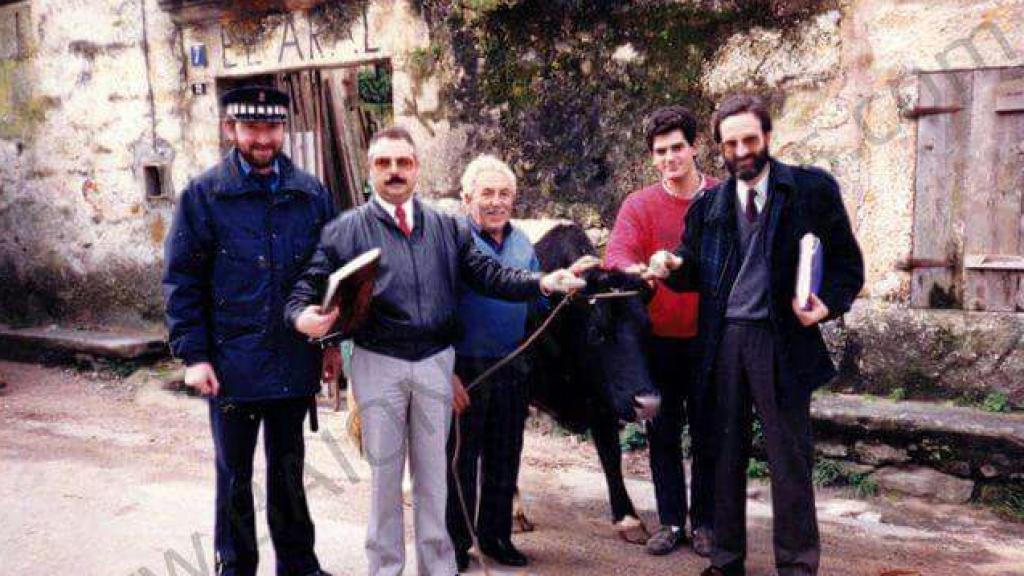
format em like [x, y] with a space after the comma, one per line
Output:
[751, 205]
[403, 224]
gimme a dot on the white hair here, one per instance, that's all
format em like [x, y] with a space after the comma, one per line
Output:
[481, 164]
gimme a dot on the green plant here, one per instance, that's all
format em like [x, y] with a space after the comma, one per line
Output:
[996, 402]
[863, 485]
[828, 472]
[898, 393]
[757, 469]
[632, 437]
[757, 436]
[1006, 500]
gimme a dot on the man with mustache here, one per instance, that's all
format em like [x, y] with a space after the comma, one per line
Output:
[241, 235]
[493, 415]
[403, 357]
[761, 347]
[651, 219]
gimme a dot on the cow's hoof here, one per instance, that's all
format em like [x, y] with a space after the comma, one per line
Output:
[632, 530]
[520, 523]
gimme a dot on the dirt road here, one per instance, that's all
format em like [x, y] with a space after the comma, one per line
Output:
[103, 477]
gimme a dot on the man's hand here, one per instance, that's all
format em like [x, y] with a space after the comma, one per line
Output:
[662, 263]
[561, 280]
[813, 314]
[331, 365]
[584, 263]
[460, 398]
[201, 377]
[314, 324]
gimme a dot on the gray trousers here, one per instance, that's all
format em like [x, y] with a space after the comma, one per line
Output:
[745, 375]
[406, 410]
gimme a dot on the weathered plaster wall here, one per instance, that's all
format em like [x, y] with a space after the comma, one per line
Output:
[79, 236]
[389, 30]
[82, 111]
[558, 88]
[848, 78]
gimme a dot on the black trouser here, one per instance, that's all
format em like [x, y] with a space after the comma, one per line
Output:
[235, 427]
[674, 363]
[745, 376]
[492, 432]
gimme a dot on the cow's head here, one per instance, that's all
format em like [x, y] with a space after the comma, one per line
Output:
[595, 349]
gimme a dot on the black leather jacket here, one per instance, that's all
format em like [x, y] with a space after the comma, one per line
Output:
[415, 295]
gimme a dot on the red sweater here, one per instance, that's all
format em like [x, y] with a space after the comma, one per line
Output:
[649, 220]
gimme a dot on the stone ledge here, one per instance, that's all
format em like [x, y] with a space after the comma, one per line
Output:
[885, 349]
[965, 442]
[55, 343]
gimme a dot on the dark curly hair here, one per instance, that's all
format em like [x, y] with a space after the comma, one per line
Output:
[669, 119]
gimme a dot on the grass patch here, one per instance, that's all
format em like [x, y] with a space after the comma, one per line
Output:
[757, 469]
[996, 402]
[1006, 500]
[829, 472]
[633, 437]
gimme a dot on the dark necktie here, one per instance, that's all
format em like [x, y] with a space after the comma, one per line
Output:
[403, 222]
[751, 205]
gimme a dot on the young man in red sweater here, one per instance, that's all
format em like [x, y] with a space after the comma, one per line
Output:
[652, 219]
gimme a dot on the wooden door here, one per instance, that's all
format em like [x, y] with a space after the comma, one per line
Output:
[969, 206]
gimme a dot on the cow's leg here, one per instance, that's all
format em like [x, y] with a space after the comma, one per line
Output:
[605, 430]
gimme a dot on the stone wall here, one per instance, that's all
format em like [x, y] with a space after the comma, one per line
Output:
[92, 92]
[556, 87]
[971, 358]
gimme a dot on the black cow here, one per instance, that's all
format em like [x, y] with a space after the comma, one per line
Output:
[590, 371]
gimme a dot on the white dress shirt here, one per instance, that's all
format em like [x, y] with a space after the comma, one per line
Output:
[760, 191]
[407, 206]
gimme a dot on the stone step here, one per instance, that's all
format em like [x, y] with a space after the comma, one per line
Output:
[53, 343]
[965, 442]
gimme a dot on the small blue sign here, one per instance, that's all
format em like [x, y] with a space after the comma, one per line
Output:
[198, 56]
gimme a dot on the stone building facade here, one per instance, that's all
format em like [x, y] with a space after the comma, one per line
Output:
[107, 108]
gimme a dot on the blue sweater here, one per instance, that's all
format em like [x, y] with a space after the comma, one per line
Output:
[492, 328]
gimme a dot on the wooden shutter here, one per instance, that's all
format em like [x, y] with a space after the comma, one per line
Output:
[968, 215]
[944, 127]
[994, 254]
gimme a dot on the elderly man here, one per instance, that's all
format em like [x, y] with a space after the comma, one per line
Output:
[651, 219]
[403, 357]
[241, 235]
[761, 346]
[494, 414]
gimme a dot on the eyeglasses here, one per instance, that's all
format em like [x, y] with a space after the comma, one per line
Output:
[402, 162]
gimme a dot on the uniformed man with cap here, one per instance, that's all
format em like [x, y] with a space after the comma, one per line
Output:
[241, 235]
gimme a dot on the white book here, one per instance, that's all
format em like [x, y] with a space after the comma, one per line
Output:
[810, 268]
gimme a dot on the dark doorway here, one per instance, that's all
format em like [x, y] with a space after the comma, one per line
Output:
[334, 113]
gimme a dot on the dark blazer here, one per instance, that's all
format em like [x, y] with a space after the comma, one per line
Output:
[413, 312]
[801, 200]
[233, 253]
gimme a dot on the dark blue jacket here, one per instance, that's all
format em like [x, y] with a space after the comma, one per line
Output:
[800, 200]
[413, 312]
[234, 252]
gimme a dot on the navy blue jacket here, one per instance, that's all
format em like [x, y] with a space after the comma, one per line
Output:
[234, 252]
[413, 312]
[493, 328]
[800, 200]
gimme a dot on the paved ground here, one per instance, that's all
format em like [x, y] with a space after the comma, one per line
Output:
[105, 478]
